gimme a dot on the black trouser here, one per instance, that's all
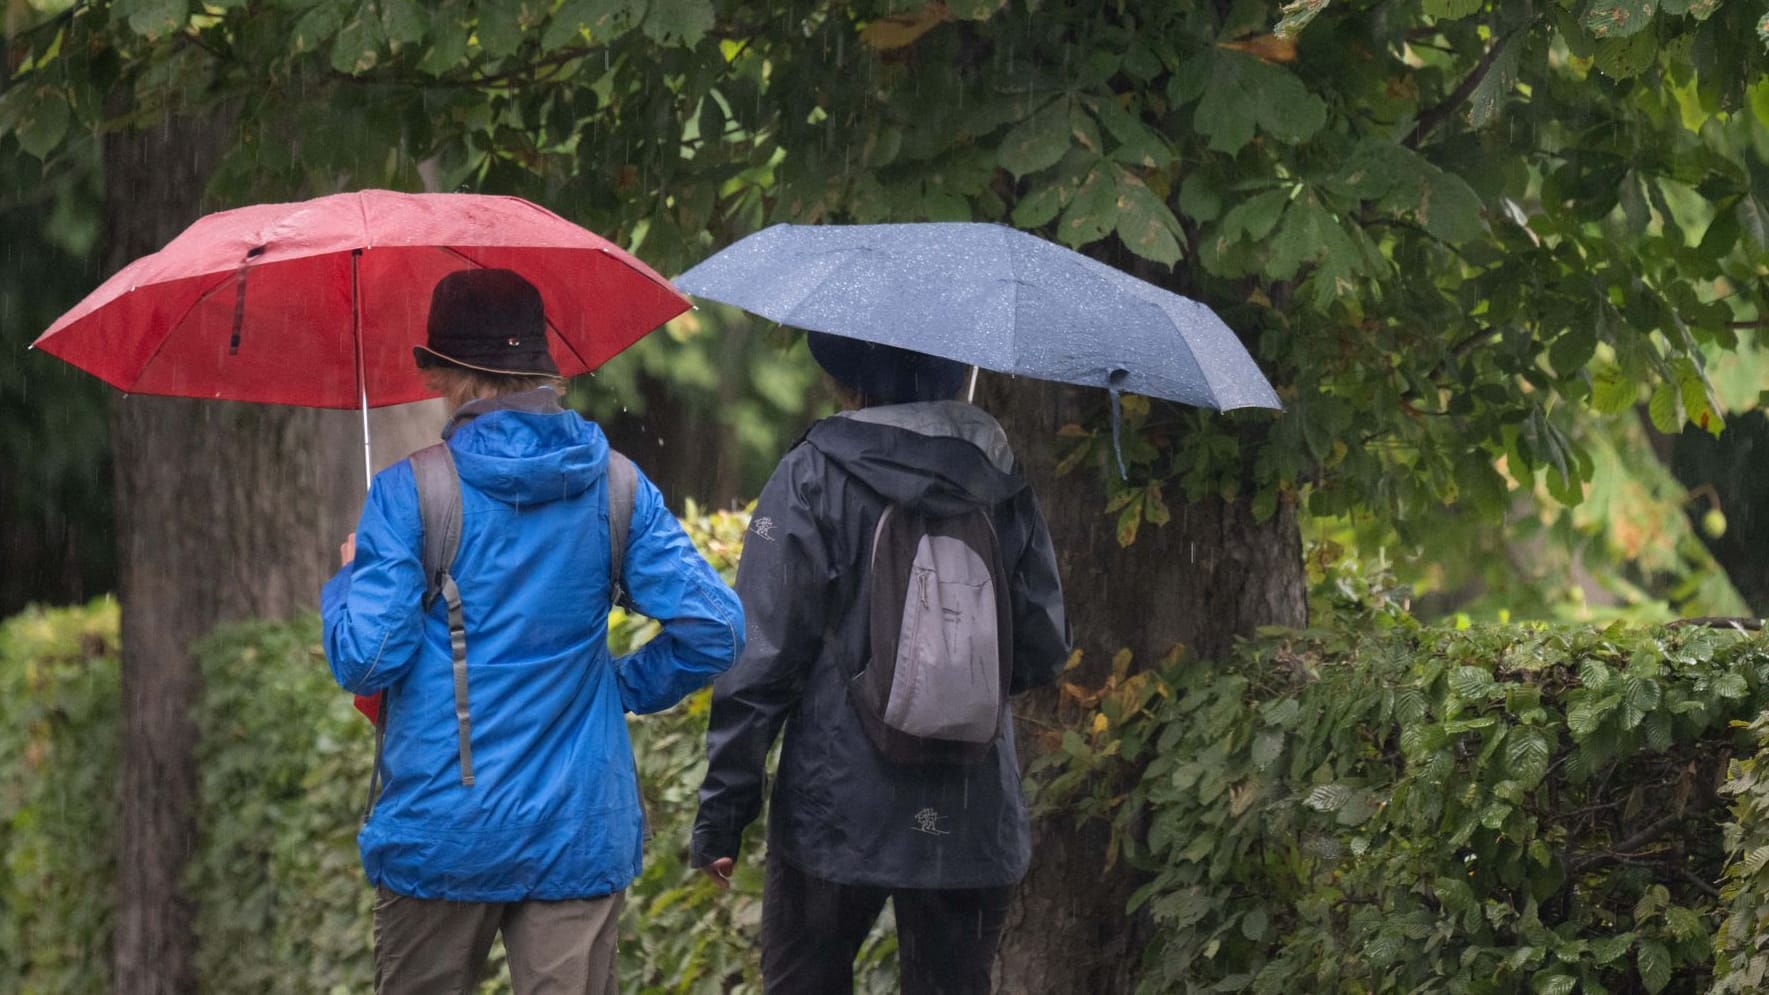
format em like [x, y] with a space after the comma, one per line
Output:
[812, 929]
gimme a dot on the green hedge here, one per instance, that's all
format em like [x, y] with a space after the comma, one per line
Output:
[1383, 807]
[1413, 809]
[58, 794]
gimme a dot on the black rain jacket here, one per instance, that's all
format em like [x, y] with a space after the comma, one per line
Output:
[840, 811]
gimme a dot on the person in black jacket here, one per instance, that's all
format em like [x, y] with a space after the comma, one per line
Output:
[847, 828]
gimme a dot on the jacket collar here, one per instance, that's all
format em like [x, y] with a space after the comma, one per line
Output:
[539, 401]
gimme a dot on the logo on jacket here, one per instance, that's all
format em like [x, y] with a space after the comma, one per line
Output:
[763, 527]
[928, 821]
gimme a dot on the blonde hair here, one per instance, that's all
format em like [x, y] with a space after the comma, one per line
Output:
[458, 384]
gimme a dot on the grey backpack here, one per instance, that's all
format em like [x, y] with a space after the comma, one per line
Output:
[439, 509]
[934, 688]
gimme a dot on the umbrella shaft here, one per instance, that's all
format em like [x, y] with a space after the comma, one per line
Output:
[362, 383]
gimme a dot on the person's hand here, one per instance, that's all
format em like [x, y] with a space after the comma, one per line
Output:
[347, 550]
[719, 871]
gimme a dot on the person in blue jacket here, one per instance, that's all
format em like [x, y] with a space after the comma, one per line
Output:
[543, 843]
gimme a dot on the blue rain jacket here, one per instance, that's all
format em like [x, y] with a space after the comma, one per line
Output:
[555, 812]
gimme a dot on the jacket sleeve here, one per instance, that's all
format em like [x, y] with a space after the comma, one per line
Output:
[372, 608]
[1040, 625]
[668, 580]
[784, 579]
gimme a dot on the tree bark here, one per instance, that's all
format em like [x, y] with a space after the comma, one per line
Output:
[224, 511]
[1209, 575]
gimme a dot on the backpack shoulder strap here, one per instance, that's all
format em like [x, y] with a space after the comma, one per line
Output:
[439, 509]
[623, 482]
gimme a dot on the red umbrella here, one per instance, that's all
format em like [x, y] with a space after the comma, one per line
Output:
[318, 303]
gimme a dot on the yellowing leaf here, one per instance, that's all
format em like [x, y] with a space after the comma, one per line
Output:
[1270, 48]
[901, 30]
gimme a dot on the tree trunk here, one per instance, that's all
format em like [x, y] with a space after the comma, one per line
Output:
[224, 511]
[1210, 574]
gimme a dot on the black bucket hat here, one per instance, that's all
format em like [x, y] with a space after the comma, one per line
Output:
[489, 320]
[885, 374]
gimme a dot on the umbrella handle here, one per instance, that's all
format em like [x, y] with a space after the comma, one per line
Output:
[970, 395]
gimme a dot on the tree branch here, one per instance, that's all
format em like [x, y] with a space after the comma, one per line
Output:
[1627, 847]
[1437, 115]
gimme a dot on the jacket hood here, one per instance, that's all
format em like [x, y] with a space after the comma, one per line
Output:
[525, 449]
[941, 457]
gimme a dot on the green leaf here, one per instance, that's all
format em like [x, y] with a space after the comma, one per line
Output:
[1451, 10]
[152, 18]
[604, 20]
[1551, 983]
[1479, 484]
[447, 51]
[499, 27]
[316, 27]
[1328, 797]
[1754, 861]
[1225, 116]
[1753, 221]
[1448, 207]
[357, 47]
[43, 121]
[1138, 144]
[1526, 756]
[404, 22]
[1243, 92]
[1253, 924]
[1285, 108]
[1374, 169]
[679, 22]
[1666, 408]
[1624, 58]
[1618, 18]
[1256, 216]
[1199, 199]
[1473, 683]
[1129, 521]
[1610, 948]
[1310, 233]
[1038, 142]
[1040, 207]
[1612, 392]
[1145, 225]
[1092, 212]
[1267, 747]
[1500, 81]
[1654, 962]
[1732, 686]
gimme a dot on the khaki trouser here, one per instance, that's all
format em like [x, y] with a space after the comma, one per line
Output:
[430, 947]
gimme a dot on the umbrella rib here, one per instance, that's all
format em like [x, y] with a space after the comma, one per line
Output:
[1203, 372]
[807, 295]
[160, 347]
[649, 278]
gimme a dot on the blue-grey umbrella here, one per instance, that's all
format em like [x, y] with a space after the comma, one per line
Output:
[992, 297]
